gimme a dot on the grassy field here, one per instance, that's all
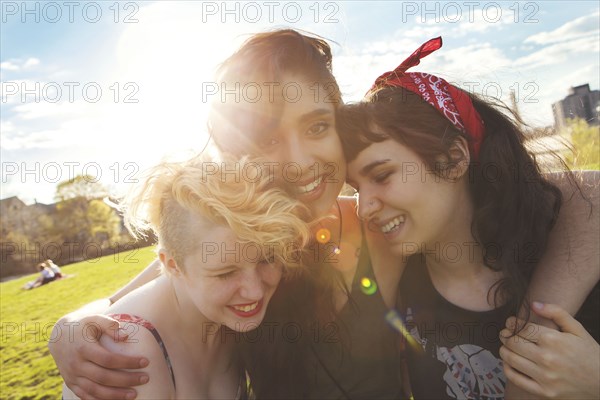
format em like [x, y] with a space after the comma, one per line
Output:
[27, 370]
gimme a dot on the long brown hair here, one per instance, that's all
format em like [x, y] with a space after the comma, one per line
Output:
[278, 368]
[515, 207]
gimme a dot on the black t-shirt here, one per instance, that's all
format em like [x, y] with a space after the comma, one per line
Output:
[456, 355]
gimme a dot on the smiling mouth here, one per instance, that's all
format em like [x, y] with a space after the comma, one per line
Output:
[308, 188]
[247, 310]
[393, 224]
[246, 307]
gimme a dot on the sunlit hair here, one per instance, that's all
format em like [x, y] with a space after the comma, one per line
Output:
[256, 73]
[514, 210]
[172, 194]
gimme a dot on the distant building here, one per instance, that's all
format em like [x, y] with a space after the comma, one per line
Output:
[15, 215]
[580, 103]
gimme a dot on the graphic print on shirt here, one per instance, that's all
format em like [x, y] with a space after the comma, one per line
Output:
[472, 372]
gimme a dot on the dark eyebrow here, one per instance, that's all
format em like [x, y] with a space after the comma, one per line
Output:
[369, 167]
[315, 114]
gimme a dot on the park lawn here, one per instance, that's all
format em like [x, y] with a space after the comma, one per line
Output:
[27, 371]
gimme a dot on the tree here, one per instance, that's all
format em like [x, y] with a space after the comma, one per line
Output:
[84, 186]
[83, 217]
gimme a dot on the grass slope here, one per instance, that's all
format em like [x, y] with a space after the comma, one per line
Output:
[27, 371]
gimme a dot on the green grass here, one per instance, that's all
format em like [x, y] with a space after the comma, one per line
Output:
[27, 316]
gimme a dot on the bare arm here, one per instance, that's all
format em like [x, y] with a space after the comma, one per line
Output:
[87, 367]
[160, 386]
[571, 265]
[149, 273]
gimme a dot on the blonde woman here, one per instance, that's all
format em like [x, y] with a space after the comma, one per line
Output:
[223, 244]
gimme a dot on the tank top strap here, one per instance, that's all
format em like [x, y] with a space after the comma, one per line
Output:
[134, 319]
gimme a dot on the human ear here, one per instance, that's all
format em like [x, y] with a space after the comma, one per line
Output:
[168, 262]
[460, 157]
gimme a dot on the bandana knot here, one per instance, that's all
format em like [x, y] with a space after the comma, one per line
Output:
[453, 103]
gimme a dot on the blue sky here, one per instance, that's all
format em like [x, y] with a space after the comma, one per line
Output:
[109, 88]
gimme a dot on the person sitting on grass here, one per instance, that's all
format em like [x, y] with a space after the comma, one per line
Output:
[55, 268]
[46, 276]
[223, 243]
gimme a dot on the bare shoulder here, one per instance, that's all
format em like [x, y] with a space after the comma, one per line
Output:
[141, 341]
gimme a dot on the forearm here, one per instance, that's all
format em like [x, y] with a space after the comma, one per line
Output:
[100, 306]
[149, 273]
[570, 266]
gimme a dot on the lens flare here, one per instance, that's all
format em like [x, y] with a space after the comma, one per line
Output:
[394, 319]
[368, 286]
[323, 235]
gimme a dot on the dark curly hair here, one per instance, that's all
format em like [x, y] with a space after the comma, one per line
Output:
[515, 207]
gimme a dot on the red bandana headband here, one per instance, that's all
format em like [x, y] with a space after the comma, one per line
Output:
[451, 102]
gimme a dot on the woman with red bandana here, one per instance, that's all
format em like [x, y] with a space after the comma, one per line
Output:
[418, 150]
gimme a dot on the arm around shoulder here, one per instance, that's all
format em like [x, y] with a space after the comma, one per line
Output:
[141, 341]
[570, 266]
[87, 367]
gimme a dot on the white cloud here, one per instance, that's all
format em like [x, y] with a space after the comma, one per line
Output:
[456, 25]
[356, 70]
[558, 89]
[9, 66]
[582, 26]
[18, 64]
[558, 53]
[31, 62]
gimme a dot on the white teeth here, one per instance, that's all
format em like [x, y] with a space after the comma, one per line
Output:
[310, 187]
[247, 308]
[392, 224]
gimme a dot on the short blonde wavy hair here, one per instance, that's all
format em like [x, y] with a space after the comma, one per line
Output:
[173, 192]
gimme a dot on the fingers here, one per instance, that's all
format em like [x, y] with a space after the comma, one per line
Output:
[104, 358]
[522, 364]
[95, 326]
[518, 345]
[114, 378]
[522, 381]
[527, 331]
[87, 389]
[563, 319]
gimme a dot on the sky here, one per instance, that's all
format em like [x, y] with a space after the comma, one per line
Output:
[109, 88]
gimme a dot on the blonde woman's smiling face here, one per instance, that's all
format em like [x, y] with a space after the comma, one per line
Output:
[230, 282]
